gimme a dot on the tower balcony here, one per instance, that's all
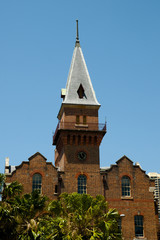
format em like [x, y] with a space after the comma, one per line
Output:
[75, 126]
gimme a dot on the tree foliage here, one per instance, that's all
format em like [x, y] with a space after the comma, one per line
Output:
[84, 217]
[71, 217]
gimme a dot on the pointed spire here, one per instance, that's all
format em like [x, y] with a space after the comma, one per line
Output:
[79, 89]
[77, 35]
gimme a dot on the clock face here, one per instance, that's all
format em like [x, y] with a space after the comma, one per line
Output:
[82, 155]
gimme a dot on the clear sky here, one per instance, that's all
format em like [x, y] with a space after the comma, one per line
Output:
[120, 40]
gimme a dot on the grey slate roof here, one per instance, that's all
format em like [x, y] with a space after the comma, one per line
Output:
[78, 75]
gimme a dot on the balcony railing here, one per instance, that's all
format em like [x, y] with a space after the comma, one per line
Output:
[80, 126]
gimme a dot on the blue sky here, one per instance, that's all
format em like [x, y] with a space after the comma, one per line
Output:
[120, 40]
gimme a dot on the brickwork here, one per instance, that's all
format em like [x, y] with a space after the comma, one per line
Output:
[36, 164]
[140, 202]
[79, 134]
[107, 183]
[69, 142]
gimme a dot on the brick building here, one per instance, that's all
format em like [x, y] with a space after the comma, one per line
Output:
[156, 177]
[77, 166]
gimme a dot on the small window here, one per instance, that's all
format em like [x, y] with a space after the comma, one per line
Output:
[90, 139]
[82, 184]
[56, 189]
[79, 139]
[68, 139]
[126, 189]
[119, 225]
[84, 140]
[84, 120]
[95, 140]
[74, 139]
[77, 119]
[37, 182]
[80, 91]
[138, 221]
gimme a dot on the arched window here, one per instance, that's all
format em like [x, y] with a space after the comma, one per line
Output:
[37, 182]
[126, 187]
[138, 221]
[82, 184]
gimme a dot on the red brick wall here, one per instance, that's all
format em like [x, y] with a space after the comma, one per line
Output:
[26, 170]
[141, 201]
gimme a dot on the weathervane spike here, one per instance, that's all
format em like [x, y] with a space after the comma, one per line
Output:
[77, 35]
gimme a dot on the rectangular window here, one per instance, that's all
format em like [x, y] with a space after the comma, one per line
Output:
[77, 119]
[126, 190]
[138, 221]
[68, 139]
[56, 189]
[84, 120]
[82, 184]
[74, 139]
[119, 225]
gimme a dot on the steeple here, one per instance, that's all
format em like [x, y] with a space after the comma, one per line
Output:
[79, 89]
[78, 134]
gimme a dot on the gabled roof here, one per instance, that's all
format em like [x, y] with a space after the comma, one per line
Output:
[79, 77]
[108, 169]
[36, 154]
[123, 158]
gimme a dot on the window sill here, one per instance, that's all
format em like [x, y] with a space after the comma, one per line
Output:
[127, 198]
[81, 125]
[137, 238]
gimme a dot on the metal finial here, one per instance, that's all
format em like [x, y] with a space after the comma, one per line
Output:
[77, 35]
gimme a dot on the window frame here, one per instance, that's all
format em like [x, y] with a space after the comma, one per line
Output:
[77, 119]
[37, 183]
[126, 186]
[82, 184]
[84, 119]
[138, 223]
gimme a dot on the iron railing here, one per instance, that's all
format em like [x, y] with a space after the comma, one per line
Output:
[75, 126]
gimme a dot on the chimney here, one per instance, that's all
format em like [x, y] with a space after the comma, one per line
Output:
[7, 165]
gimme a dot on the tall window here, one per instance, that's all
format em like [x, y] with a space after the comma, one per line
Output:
[84, 140]
[82, 184]
[84, 120]
[37, 182]
[119, 225]
[68, 139]
[95, 140]
[77, 119]
[138, 221]
[126, 188]
[74, 139]
[79, 139]
[90, 139]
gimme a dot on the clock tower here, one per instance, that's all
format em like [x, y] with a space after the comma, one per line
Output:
[78, 134]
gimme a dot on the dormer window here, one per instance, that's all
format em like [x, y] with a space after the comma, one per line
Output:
[80, 91]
